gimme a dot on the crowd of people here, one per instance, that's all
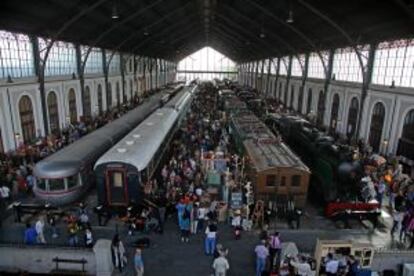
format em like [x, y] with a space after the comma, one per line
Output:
[182, 191]
[16, 167]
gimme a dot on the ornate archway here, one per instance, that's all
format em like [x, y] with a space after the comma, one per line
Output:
[53, 110]
[377, 124]
[27, 119]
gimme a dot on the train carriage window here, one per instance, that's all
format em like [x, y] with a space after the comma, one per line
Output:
[270, 180]
[283, 181]
[27, 119]
[295, 181]
[117, 179]
[41, 184]
[72, 181]
[55, 184]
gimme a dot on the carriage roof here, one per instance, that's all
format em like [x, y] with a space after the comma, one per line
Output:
[141, 144]
[69, 160]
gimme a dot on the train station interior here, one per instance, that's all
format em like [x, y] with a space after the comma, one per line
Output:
[207, 137]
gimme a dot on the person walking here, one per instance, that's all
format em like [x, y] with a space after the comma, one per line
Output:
[194, 218]
[185, 225]
[201, 215]
[397, 217]
[138, 262]
[261, 255]
[275, 247]
[220, 266]
[30, 235]
[88, 238]
[118, 252]
[40, 226]
[332, 265]
[303, 268]
[211, 236]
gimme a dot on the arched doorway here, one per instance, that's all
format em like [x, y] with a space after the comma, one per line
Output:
[279, 92]
[334, 113]
[309, 103]
[118, 94]
[52, 107]
[300, 99]
[73, 113]
[124, 93]
[406, 143]
[100, 104]
[321, 107]
[285, 100]
[131, 88]
[377, 124]
[27, 119]
[109, 97]
[1, 143]
[87, 102]
[292, 95]
[352, 117]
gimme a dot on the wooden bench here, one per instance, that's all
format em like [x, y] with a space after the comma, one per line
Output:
[58, 260]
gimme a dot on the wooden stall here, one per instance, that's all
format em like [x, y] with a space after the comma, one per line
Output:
[362, 252]
[276, 172]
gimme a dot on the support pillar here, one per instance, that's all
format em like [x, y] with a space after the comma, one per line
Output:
[321, 113]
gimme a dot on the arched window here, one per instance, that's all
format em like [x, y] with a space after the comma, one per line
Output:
[87, 102]
[377, 124]
[131, 88]
[406, 143]
[309, 103]
[109, 96]
[118, 94]
[352, 117]
[334, 113]
[73, 113]
[27, 119]
[100, 104]
[321, 107]
[292, 95]
[300, 99]
[52, 107]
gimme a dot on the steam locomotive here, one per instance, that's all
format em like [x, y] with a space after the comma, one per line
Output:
[336, 173]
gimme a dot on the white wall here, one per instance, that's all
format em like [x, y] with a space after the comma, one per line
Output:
[397, 101]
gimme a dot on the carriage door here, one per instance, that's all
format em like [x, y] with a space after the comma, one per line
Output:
[116, 184]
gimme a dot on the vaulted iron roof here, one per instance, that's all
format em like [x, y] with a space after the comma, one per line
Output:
[241, 29]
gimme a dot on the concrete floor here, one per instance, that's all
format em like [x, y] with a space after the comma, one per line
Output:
[168, 256]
